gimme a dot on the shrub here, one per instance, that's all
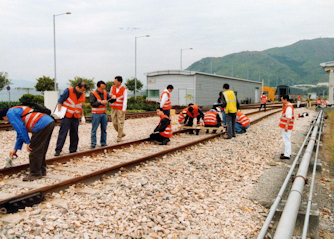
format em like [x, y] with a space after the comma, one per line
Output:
[5, 104]
[27, 97]
[39, 99]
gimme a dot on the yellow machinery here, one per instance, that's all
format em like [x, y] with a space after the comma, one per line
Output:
[269, 91]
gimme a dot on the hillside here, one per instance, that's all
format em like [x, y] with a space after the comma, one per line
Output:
[294, 64]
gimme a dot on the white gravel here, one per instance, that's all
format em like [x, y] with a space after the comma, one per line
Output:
[201, 192]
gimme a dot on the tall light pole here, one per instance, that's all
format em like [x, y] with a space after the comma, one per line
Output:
[136, 63]
[54, 44]
[181, 57]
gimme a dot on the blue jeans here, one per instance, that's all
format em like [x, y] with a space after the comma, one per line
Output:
[224, 117]
[98, 119]
[238, 127]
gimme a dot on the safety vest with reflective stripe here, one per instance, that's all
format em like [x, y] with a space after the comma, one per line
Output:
[102, 109]
[118, 104]
[231, 102]
[73, 104]
[263, 99]
[242, 119]
[210, 118]
[324, 102]
[168, 131]
[194, 113]
[299, 98]
[284, 120]
[168, 103]
[318, 102]
[182, 115]
[29, 117]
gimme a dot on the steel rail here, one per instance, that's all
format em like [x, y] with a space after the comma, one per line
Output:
[289, 215]
[106, 171]
[309, 203]
[274, 206]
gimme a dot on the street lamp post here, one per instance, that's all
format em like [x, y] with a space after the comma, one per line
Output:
[136, 63]
[54, 45]
[181, 56]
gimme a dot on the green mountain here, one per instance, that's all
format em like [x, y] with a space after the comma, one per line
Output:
[294, 64]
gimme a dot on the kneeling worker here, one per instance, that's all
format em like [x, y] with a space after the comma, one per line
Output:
[212, 119]
[242, 123]
[163, 131]
[24, 120]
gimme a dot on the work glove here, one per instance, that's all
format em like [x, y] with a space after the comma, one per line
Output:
[83, 120]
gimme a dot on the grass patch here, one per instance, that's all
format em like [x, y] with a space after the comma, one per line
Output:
[329, 137]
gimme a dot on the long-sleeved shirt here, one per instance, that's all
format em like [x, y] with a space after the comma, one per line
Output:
[93, 100]
[66, 94]
[125, 100]
[14, 118]
[163, 125]
[163, 99]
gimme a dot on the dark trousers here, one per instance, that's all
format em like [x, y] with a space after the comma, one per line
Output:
[72, 125]
[166, 112]
[157, 137]
[39, 144]
[265, 107]
[230, 121]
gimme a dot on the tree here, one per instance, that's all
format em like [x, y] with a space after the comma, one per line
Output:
[89, 82]
[45, 83]
[130, 84]
[109, 84]
[4, 80]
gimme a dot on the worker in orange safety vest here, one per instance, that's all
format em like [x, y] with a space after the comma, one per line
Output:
[286, 124]
[212, 119]
[242, 123]
[163, 132]
[165, 102]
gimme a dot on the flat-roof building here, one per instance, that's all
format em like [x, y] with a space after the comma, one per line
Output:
[199, 88]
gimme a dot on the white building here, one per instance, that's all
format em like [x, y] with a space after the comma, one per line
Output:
[199, 88]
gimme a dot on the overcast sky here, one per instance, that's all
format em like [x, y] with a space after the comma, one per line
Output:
[98, 38]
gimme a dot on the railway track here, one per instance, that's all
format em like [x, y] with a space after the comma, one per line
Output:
[88, 166]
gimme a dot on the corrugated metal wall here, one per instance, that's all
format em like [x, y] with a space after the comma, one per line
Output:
[208, 88]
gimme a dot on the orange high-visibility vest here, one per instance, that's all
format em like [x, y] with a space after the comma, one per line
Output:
[118, 104]
[102, 109]
[210, 118]
[168, 131]
[242, 119]
[73, 104]
[29, 118]
[194, 113]
[168, 103]
[284, 120]
[324, 102]
[263, 99]
[318, 102]
[299, 98]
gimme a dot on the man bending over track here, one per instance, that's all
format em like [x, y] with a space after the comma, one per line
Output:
[24, 120]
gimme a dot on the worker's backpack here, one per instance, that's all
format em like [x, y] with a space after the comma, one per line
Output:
[37, 108]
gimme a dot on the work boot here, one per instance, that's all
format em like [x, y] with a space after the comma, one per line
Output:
[57, 154]
[214, 131]
[31, 178]
[164, 142]
[191, 132]
[197, 131]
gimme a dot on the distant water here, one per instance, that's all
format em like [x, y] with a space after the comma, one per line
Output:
[16, 94]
